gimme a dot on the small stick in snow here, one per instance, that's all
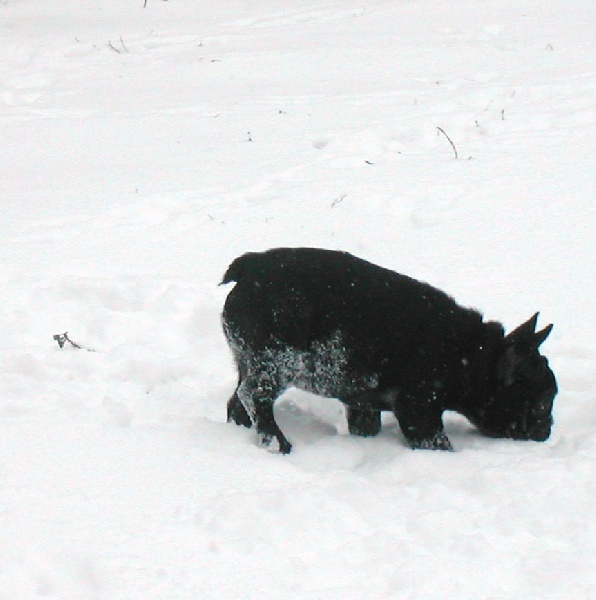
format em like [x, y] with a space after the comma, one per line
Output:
[110, 45]
[62, 338]
[452, 144]
[124, 45]
[338, 200]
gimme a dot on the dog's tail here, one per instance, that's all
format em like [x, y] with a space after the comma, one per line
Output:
[240, 267]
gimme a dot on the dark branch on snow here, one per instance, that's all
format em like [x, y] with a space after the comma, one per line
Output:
[62, 338]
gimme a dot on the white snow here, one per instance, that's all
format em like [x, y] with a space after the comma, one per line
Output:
[142, 149]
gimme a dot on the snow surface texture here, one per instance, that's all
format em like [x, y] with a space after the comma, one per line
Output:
[142, 149]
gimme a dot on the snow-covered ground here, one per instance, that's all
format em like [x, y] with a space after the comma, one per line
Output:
[142, 149]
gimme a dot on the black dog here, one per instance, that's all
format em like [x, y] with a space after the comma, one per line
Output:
[339, 326]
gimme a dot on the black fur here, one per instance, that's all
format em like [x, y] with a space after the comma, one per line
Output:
[339, 326]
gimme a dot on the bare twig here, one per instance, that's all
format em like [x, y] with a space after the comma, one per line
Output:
[110, 45]
[62, 338]
[124, 45]
[452, 144]
[338, 200]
